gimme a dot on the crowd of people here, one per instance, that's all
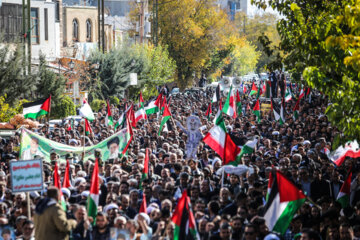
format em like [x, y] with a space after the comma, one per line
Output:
[227, 209]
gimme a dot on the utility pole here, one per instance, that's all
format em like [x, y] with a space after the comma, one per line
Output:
[29, 37]
[24, 33]
[156, 25]
[103, 26]
[99, 36]
[142, 22]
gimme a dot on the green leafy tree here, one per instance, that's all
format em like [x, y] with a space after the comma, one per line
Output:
[49, 83]
[96, 104]
[319, 39]
[114, 100]
[64, 108]
[7, 111]
[13, 82]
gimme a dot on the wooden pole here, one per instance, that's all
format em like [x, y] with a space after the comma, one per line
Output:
[28, 205]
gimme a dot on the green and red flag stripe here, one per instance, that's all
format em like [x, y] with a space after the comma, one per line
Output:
[37, 109]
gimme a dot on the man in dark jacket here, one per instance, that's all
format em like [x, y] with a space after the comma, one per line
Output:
[50, 219]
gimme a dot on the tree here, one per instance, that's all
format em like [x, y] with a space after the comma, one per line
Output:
[65, 107]
[7, 111]
[153, 66]
[319, 39]
[260, 31]
[13, 82]
[49, 83]
[96, 104]
[195, 33]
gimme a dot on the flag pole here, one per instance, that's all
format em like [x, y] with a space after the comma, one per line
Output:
[84, 133]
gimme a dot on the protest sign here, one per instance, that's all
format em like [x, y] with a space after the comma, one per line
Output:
[265, 107]
[26, 176]
[34, 145]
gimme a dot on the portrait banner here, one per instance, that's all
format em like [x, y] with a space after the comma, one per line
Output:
[35, 146]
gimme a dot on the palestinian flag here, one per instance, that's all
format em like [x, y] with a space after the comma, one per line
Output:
[86, 112]
[109, 118]
[88, 129]
[143, 205]
[154, 106]
[351, 149]
[163, 103]
[93, 198]
[229, 106]
[258, 92]
[165, 117]
[145, 172]
[288, 95]
[344, 195]
[278, 112]
[296, 110]
[270, 183]
[122, 119]
[216, 96]
[208, 112]
[248, 148]
[254, 89]
[256, 110]
[238, 103]
[131, 116]
[37, 109]
[220, 141]
[244, 89]
[56, 179]
[283, 202]
[183, 217]
[141, 101]
[67, 177]
[127, 138]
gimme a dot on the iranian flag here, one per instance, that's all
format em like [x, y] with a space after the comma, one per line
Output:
[248, 148]
[154, 106]
[256, 110]
[288, 95]
[109, 121]
[283, 202]
[143, 205]
[165, 117]
[238, 103]
[296, 110]
[37, 109]
[67, 177]
[208, 112]
[344, 195]
[183, 217]
[351, 149]
[93, 198]
[88, 129]
[145, 172]
[254, 89]
[56, 179]
[278, 112]
[86, 112]
[220, 141]
[230, 106]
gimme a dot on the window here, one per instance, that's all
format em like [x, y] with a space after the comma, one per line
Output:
[88, 30]
[35, 26]
[46, 24]
[75, 30]
[57, 11]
